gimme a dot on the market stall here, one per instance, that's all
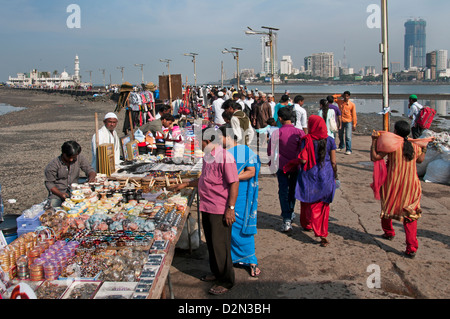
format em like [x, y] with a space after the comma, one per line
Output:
[112, 239]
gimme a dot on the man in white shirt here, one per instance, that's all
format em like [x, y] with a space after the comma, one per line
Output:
[414, 110]
[302, 117]
[107, 135]
[217, 109]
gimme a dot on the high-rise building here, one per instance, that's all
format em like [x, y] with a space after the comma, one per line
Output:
[286, 65]
[266, 67]
[415, 43]
[431, 64]
[322, 64]
[441, 60]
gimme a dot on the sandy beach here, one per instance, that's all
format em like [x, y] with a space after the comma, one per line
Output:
[293, 265]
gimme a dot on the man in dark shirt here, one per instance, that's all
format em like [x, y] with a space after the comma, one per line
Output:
[64, 170]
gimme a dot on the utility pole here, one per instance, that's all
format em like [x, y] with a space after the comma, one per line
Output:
[384, 49]
[235, 53]
[104, 80]
[142, 70]
[270, 33]
[167, 61]
[121, 68]
[193, 55]
[90, 76]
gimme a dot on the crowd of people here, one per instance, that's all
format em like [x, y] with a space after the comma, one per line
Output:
[302, 152]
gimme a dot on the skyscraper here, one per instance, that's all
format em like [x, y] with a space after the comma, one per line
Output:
[415, 43]
[266, 67]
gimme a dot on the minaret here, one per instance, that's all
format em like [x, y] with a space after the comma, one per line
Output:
[77, 69]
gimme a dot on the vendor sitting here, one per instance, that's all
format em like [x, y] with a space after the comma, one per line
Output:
[64, 170]
[156, 129]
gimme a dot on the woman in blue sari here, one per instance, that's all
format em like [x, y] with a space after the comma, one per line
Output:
[244, 229]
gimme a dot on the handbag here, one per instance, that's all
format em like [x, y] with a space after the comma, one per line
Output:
[333, 125]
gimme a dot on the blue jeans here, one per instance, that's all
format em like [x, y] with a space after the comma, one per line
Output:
[286, 193]
[346, 131]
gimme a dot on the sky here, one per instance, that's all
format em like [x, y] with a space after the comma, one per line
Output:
[34, 34]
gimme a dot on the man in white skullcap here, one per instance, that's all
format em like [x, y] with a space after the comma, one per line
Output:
[107, 135]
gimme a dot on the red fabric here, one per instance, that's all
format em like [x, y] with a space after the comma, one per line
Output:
[387, 143]
[317, 130]
[315, 216]
[412, 244]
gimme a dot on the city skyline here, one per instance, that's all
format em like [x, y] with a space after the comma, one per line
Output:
[36, 36]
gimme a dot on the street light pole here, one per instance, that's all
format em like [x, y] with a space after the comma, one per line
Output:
[235, 53]
[269, 33]
[193, 55]
[121, 68]
[384, 49]
[167, 61]
[103, 71]
[142, 70]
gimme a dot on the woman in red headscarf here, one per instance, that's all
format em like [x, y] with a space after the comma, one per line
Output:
[316, 179]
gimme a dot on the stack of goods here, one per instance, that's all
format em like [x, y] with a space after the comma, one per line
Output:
[106, 231]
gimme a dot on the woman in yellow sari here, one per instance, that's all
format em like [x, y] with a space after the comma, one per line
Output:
[396, 182]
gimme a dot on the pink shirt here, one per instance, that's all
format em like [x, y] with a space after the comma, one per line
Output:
[218, 172]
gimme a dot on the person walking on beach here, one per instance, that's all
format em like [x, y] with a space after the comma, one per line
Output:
[244, 229]
[396, 183]
[301, 115]
[337, 112]
[239, 122]
[316, 184]
[349, 122]
[328, 115]
[65, 170]
[284, 101]
[284, 146]
[218, 188]
[217, 109]
[414, 108]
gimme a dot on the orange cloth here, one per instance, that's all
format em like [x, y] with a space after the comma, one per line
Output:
[397, 183]
[348, 110]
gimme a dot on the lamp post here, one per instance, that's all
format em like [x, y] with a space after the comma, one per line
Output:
[121, 68]
[235, 53]
[167, 61]
[103, 71]
[90, 77]
[142, 70]
[269, 33]
[384, 50]
[193, 55]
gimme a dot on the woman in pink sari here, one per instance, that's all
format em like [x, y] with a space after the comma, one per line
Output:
[396, 183]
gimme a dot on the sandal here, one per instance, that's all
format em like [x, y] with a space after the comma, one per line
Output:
[324, 242]
[218, 290]
[254, 271]
[208, 278]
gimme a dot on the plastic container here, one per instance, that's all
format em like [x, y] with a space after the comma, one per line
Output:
[9, 228]
[29, 223]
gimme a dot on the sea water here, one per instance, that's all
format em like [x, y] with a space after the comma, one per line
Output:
[6, 108]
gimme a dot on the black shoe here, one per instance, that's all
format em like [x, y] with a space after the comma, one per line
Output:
[411, 255]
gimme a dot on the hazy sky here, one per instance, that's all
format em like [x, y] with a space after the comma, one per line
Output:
[34, 34]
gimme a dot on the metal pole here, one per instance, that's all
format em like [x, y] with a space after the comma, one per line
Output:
[195, 71]
[384, 49]
[272, 62]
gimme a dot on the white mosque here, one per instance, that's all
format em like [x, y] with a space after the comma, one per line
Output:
[42, 79]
